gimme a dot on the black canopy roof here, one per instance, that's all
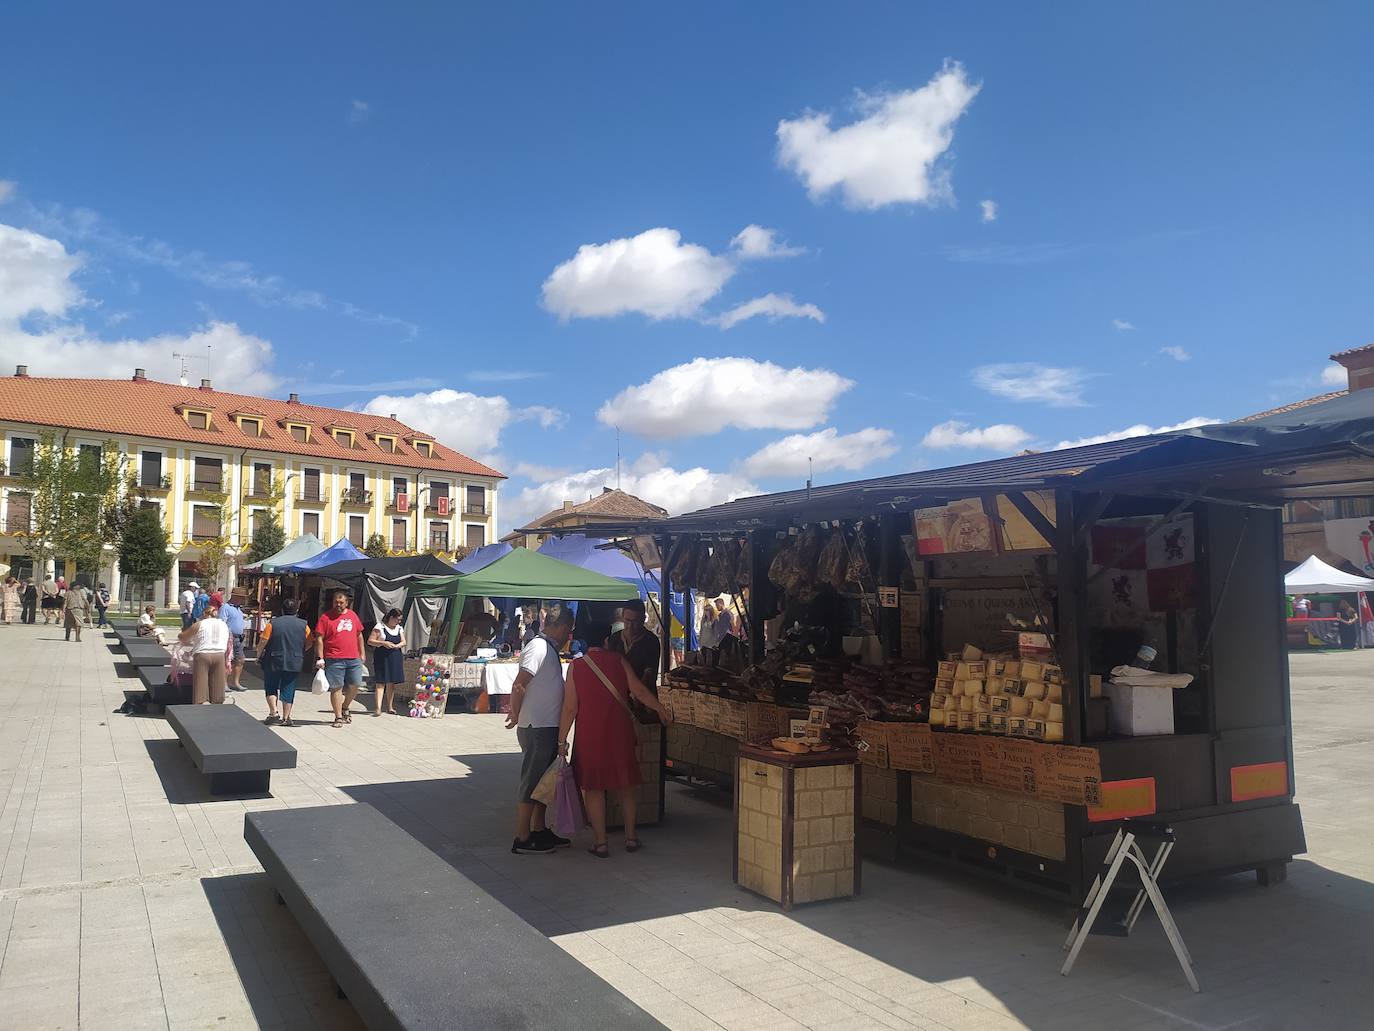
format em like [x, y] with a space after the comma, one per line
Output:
[387, 568]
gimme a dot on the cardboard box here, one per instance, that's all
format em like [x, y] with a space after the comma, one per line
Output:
[1140, 711]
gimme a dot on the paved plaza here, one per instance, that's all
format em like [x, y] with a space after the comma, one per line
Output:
[128, 898]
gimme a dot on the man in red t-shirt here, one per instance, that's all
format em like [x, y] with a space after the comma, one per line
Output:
[339, 652]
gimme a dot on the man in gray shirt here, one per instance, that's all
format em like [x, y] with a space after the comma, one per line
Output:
[536, 704]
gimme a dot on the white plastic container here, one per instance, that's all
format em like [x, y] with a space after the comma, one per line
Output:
[1140, 711]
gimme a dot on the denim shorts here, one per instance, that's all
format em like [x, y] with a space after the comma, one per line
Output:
[281, 682]
[238, 647]
[343, 671]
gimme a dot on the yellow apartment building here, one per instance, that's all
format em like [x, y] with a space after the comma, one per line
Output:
[199, 454]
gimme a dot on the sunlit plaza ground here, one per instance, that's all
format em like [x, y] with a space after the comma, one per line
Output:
[128, 899]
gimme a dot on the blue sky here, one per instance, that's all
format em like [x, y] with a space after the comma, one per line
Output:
[505, 220]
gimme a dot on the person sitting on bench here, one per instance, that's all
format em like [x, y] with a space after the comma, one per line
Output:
[209, 640]
[147, 625]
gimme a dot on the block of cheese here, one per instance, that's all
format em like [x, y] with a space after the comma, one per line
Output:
[993, 685]
[945, 669]
[1056, 713]
[1032, 670]
[999, 703]
[1054, 692]
[971, 652]
[1036, 729]
[937, 717]
[997, 722]
[1053, 674]
[1094, 686]
[1040, 710]
[946, 684]
[1035, 689]
[1054, 731]
[1019, 706]
[970, 687]
[982, 703]
[1012, 668]
[967, 703]
[1013, 686]
[939, 700]
[984, 722]
[1016, 726]
[968, 721]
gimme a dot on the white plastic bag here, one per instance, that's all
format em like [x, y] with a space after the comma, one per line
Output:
[320, 685]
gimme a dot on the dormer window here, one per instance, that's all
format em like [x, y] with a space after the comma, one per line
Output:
[251, 427]
[300, 432]
[344, 438]
[387, 444]
[196, 418]
[424, 448]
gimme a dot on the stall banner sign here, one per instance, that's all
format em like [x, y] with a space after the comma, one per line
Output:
[1259, 780]
[981, 618]
[733, 719]
[871, 739]
[708, 712]
[762, 722]
[1120, 799]
[1068, 773]
[959, 758]
[1142, 575]
[1017, 532]
[910, 746]
[957, 528]
[1011, 764]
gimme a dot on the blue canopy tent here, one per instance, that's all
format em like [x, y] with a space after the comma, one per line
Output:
[483, 557]
[340, 551]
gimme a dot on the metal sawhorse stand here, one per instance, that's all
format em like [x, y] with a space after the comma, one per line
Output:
[1126, 848]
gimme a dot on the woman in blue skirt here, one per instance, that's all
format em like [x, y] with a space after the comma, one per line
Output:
[388, 642]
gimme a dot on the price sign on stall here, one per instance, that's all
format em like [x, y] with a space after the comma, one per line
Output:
[888, 597]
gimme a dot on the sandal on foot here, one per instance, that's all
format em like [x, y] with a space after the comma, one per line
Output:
[601, 851]
[347, 718]
[632, 845]
[337, 724]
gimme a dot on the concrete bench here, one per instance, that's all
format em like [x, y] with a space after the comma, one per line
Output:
[146, 652]
[412, 942]
[234, 749]
[159, 690]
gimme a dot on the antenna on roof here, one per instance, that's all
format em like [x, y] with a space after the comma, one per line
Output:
[183, 359]
[617, 458]
[810, 475]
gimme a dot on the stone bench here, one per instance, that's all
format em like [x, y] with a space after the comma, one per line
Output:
[413, 943]
[144, 651]
[234, 749]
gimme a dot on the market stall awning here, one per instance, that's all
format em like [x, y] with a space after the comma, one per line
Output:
[307, 545]
[483, 557]
[587, 553]
[397, 567]
[1316, 577]
[527, 574]
[336, 552]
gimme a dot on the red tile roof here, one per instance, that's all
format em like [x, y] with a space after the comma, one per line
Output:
[1354, 350]
[1294, 406]
[611, 503]
[147, 408]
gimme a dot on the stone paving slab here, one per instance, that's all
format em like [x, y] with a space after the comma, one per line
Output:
[128, 898]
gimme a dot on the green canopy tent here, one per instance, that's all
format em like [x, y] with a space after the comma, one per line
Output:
[522, 574]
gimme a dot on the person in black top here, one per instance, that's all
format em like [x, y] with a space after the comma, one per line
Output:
[640, 647]
[281, 661]
[28, 609]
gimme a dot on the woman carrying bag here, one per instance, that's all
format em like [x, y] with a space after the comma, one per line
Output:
[596, 698]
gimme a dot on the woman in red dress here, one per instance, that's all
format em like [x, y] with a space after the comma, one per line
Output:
[596, 697]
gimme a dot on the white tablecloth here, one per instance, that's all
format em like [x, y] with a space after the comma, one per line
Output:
[499, 677]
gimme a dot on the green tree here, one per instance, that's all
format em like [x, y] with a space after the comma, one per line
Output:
[143, 550]
[73, 495]
[376, 547]
[268, 539]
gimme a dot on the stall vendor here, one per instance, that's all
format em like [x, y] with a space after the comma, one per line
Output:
[641, 648]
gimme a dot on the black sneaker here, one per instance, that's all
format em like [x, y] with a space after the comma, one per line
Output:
[549, 837]
[531, 845]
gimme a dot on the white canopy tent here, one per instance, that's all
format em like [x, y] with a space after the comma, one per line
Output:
[1316, 577]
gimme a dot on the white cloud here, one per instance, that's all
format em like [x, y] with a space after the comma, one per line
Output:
[676, 490]
[826, 450]
[1335, 376]
[757, 242]
[989, 208]
[1138, 430]
[654, 273]
[890, 155]
[1000, 437]
[709, 394]
[36, 280]
[1029, 381]
[1122, 325]
[1178, 354]
[359, 111]
[505, 375]
[470, 423]
[7, 188]
[773, 306]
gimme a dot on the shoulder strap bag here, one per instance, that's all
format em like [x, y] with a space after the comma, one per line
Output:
[634, 723]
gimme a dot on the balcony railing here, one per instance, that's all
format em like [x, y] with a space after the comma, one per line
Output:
[154, 483]
[18, 524]
[476, 508]
[355, 496]
[201, 531]
[391, 500]
[438, 542]
[260, 490]
[404, 544]
[203, 486]
[313, 496]
[432, 505]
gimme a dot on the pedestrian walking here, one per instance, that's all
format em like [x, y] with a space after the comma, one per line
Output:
[198, 606]
[210, 644]
[388, 643]
[102, 602]
[28, 613]
[282, 657]
[233, 618]
[188, 604]
[76, 609]
[9, 601]
[536, 706]
[52, 605]
[339, 651]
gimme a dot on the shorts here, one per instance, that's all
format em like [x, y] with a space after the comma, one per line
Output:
[343, 671]
[281, 682]
[238, 647]
[538, 748]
